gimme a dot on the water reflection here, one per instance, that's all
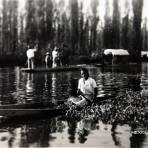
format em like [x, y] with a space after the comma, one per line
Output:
[56, 86]
[116, 139]
[72, 125]
[84, 128]
[46, 89]
[53, 88]
[137, 140]
[144, 80]
[33, 134]
[37, 133]
[45, 133]
[128, 69]
[30, 86]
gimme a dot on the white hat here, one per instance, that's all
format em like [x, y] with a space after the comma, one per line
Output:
[47, 53]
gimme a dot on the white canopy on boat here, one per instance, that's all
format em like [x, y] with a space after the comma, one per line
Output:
[116, 52]
[144, 53]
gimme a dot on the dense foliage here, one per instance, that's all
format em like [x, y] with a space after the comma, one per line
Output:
[46, 22]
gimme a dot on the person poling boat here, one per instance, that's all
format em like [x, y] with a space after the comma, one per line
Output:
[31, 55]
[87, 90]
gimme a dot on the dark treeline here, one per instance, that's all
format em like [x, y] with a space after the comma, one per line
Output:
[46, 22]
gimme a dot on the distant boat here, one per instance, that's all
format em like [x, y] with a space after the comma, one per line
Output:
[116, 56]
[59, 68]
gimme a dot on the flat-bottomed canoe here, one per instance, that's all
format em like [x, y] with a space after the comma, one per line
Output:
[56, 69]
[40, 108]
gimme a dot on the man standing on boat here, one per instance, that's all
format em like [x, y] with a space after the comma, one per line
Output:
[87, 89]
[55, 57]
[31, 55]
[48, 59]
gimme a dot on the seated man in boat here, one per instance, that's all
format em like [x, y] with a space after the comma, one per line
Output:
[31, 55]
[87, 90]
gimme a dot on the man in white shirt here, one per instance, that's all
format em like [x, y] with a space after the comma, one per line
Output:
[55, 56]
[31, 55]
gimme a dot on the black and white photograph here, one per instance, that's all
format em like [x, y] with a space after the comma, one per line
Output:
[73, 73]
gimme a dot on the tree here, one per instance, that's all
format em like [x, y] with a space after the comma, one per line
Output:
[22, 36]
[137, 18]
[115, 25]
[125, 28]
[49, 21]
[86, 37]
[94, 23]
[81, 49]
[124, 32]
[74, 25]
[4, 26]
[9, 27]
[145, 36]
[31, 22]
[41, 23]
[107, 27]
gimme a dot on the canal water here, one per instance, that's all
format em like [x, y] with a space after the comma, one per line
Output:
[19, 87]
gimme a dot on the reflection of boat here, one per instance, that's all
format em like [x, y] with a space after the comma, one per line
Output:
[62, 68]
[29, 86]
[40, 108]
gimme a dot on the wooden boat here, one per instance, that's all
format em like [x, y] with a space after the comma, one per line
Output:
[98, 65]
[40, 108]
[56, 69]
[30, 110]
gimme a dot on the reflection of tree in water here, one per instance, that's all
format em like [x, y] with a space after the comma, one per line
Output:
[60, 90]
[134, 82]
[114, 135]
[72, 124]
[39, 133]
[84, 127]
[36, 133]
[47, 87]
[11, 140]
[53, 88]
[82, 136]
[30, 86]
[137, 140]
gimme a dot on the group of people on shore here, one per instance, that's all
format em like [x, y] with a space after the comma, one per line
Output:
[55, 57]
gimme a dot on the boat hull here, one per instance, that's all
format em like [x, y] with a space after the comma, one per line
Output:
[56, 69]
[31, 112]
[40, 108]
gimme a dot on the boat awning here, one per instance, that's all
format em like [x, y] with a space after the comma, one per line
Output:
[144, 53]
[116, 52]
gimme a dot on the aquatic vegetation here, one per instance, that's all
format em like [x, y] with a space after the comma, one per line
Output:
[129, 108]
